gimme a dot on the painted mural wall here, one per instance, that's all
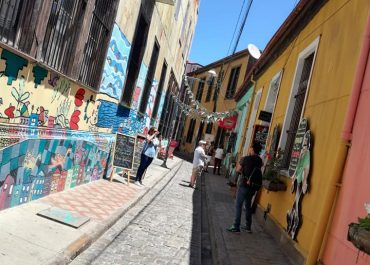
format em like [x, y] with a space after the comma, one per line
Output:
[56, 134]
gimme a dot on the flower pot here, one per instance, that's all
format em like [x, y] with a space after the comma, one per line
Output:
[274, 185]
[360, 237]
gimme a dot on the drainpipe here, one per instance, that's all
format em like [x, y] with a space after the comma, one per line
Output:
[357, 85]
[323, 226]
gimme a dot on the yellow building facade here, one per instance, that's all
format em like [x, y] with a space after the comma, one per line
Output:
[310, 62]
[214, 93]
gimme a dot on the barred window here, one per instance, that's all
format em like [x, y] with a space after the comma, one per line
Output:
[97, 42]
[233, 81]
[210, 87]
[190, 134]
[62, 30]
[200, 89]
[298, 106]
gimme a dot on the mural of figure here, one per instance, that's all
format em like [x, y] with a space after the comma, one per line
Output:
[299, 185]
[58, 159]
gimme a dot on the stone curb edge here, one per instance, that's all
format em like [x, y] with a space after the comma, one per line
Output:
[218, 248]
[78, 246]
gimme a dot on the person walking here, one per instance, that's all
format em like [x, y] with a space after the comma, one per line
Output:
[219, 155]
[147, 154]
[198, 162]
[249, 183]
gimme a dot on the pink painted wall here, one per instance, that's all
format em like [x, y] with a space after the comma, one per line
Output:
[355, 190]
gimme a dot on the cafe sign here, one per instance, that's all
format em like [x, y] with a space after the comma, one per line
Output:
[297, 147]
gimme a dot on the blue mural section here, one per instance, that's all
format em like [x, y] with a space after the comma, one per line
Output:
[121, 119]
[115, 67]
[34, 168]
[139, 86]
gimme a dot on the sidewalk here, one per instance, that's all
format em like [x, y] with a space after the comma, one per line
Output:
[30, 239]
[258, 248]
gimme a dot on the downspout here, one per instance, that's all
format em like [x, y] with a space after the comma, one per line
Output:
[318, 243]
[357, 85]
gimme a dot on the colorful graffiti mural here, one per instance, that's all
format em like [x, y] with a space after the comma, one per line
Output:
[22, 87]
[115, 65]
[139, 86]
[34, 168]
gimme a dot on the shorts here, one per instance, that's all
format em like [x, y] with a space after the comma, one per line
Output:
[197, 171]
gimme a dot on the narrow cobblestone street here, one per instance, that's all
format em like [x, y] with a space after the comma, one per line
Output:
[174, 224]
[165, 231]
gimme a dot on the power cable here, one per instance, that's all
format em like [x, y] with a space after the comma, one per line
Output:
[242, 25]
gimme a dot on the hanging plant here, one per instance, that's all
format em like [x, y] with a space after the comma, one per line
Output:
[359, 234]
[270, 178]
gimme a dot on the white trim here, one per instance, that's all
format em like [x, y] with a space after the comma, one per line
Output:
[252, 120]
[312, 48]
[277, 77]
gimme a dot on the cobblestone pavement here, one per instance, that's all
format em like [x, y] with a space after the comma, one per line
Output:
[164, 230]
[258, 248]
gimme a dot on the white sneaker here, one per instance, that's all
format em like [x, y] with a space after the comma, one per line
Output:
[137, 183]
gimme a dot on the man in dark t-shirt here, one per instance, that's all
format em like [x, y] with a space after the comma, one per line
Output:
[249, 182]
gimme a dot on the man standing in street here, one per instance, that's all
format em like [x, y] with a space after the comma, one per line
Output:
[198, 162]
[249, 183]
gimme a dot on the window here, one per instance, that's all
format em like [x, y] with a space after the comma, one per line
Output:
[136, 56]
[233, 81]
[200, 131]
[209, 91]
[160, 89]
[149, 78]
[252, 120]
[273, 93]
[297, 99]
[97, 42]
[209, 128]
[189, 136]
[200, 89]
[220, 78]
[58, 28]
[17, 29]
[63, 26]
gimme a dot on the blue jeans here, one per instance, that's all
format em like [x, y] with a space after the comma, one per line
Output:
[244, 195]
[145, 161]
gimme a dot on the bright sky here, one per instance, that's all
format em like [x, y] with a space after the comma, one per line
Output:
[217, 20]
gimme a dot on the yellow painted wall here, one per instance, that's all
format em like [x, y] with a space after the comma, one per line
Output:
[222, 103]
[340, 24]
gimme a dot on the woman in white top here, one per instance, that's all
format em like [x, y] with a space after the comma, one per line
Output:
[219, 155]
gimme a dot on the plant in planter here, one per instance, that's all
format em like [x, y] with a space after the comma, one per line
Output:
[270, 178]
[359, 233]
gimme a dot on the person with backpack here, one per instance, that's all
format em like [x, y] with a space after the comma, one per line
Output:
[249, 182]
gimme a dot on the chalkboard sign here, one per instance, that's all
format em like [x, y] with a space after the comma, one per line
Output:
[124, 151]
[260, 135]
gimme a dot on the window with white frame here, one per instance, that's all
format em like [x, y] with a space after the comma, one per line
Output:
[297, 99]
[252, 120]
[273, 93]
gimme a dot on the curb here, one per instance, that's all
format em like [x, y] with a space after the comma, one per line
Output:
[87, 239]
[218, 248]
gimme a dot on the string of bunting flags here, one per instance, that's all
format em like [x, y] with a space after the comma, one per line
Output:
[195, 110]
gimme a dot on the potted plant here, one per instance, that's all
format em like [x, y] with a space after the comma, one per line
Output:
[270, 178]
[359, 233]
